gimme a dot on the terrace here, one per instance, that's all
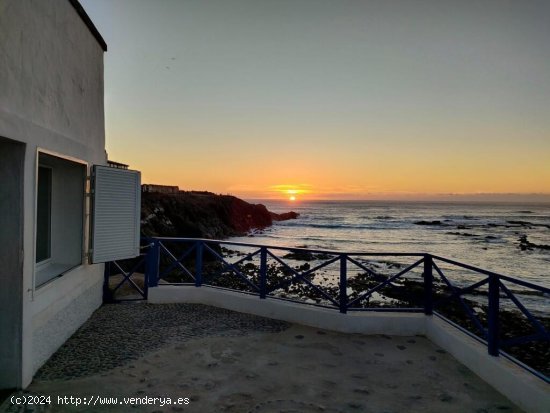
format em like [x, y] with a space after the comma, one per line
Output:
[226, 361]
[243, 327]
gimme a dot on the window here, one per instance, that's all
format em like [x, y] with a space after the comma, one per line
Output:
[59, 216]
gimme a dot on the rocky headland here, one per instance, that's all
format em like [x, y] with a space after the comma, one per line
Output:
[203, 215]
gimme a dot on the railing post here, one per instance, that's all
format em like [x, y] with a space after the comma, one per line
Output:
[263, 272]
[428, 284]
[152, 262]
[492, 316]
[343, 284]
[198, 264]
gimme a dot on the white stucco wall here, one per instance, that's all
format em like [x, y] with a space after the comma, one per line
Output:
[399, 324]
[51, 97]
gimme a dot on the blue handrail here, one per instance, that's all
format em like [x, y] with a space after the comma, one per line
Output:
[337, 297]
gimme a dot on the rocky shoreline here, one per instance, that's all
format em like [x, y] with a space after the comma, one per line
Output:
[196, 214]
[523, 243]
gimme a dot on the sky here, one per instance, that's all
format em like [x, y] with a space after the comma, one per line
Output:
[323, 99]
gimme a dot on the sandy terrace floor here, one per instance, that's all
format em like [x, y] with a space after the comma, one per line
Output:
[224, 361]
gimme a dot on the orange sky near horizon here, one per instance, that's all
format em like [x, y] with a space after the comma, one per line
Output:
[365, 175]
[499, 162]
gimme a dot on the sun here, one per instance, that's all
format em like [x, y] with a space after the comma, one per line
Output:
[292, 193]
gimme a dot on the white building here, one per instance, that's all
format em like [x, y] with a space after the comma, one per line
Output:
[56, 214]
[163, 189]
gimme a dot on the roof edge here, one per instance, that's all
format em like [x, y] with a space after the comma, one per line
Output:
[88, 22]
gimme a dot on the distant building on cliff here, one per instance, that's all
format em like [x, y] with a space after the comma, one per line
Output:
[117, 165]
[162, 189]
[63, 211]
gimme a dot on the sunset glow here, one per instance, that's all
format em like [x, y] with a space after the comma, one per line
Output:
[292, 198]
[391, 100]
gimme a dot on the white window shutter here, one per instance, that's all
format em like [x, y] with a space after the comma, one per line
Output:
[116, 208]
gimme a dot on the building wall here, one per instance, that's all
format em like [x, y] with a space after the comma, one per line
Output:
[163, 189]
[11, 246]
[51, 97]
[54, 75]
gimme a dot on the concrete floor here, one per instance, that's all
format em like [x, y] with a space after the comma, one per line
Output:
[296, 369]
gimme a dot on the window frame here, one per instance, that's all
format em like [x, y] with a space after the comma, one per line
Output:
[85, 215]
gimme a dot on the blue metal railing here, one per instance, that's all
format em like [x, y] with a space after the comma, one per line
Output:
[202, 262]
[128, 271]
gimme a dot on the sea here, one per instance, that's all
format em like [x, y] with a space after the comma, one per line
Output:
[488, 236]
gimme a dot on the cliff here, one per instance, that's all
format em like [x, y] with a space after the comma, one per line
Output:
[202, 215]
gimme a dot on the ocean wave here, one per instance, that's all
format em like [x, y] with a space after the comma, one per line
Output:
[377, 226]
[474, 234]
[312, 225]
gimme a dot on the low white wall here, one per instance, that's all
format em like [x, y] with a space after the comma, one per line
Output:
[398, 324]
[521, 387]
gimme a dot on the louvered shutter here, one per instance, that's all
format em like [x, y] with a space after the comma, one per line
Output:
[116, 206]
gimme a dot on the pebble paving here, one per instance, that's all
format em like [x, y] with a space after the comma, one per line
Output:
[120, 333]
[225, 361]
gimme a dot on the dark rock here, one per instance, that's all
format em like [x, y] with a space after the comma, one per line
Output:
[464, 234]
[323, 256]
[430, 223]
[284, 216]
[203, 215]
[300, 255]
[527, 224]
[525, 244]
